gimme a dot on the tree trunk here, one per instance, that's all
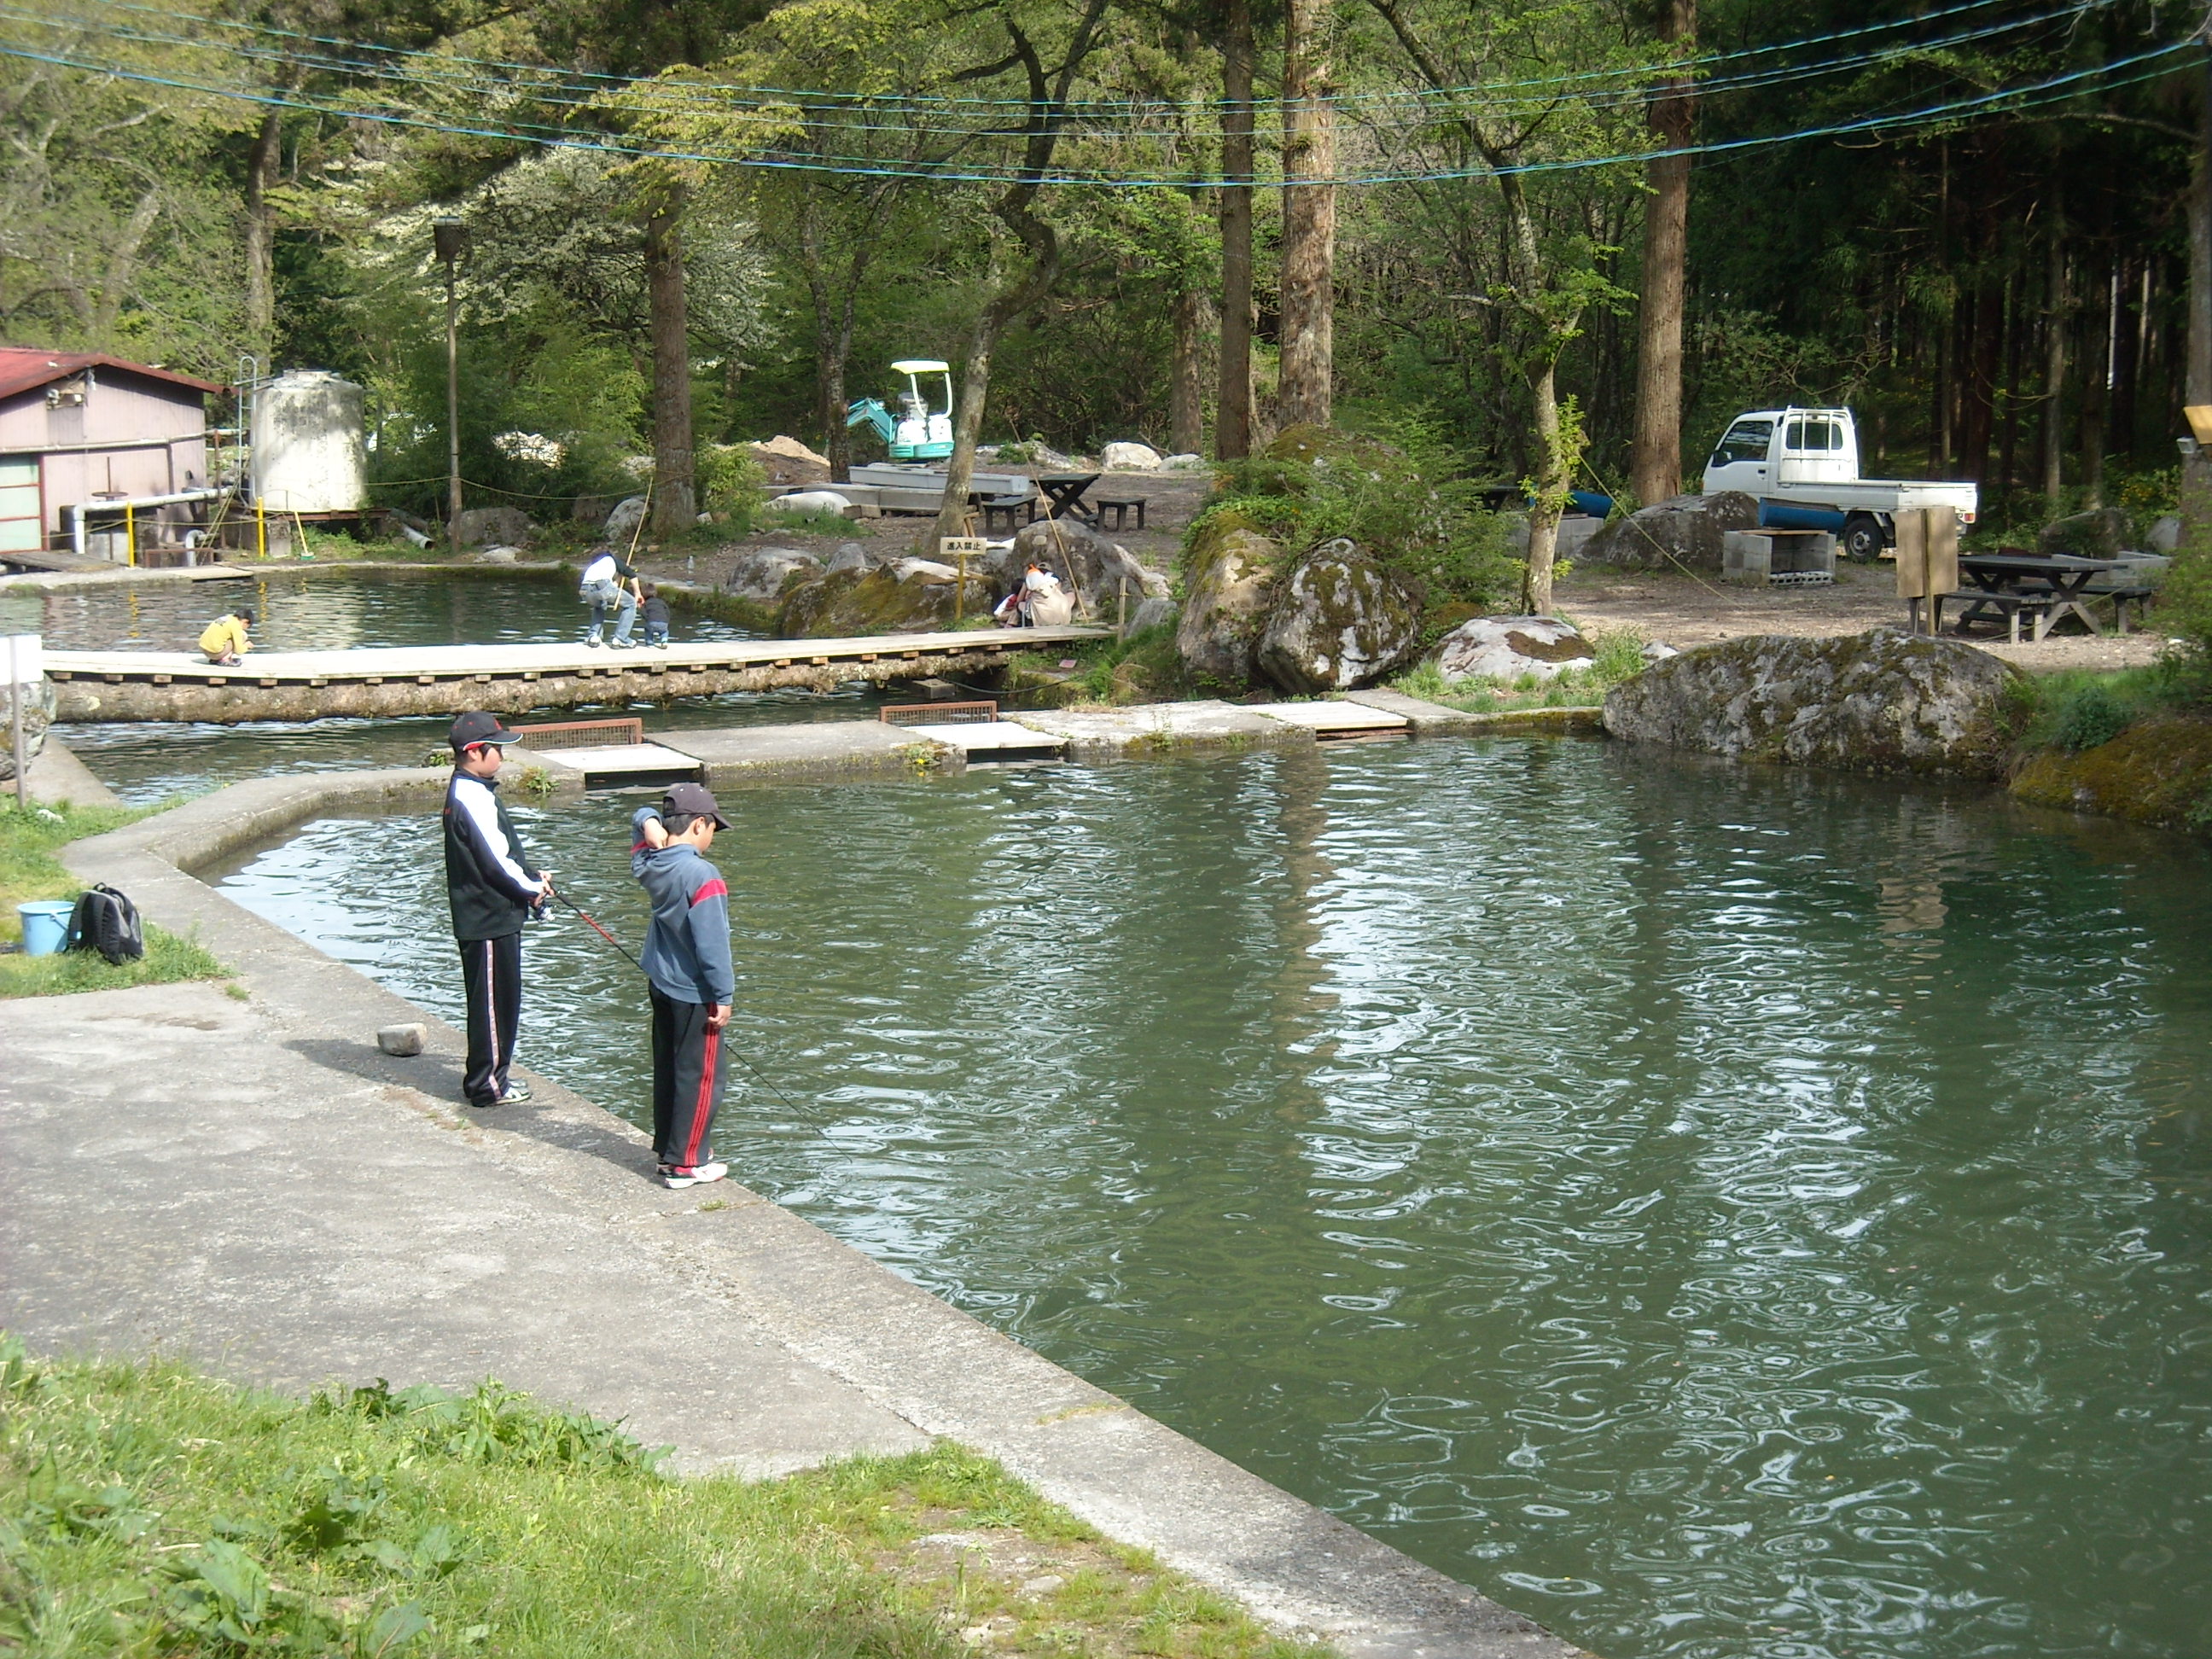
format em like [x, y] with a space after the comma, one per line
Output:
[1551, 491]
[1232, 419]
[1656, 464]
[2057, 320]
[1309, 249]
[261, 165]
[2096, 393]
[1187, 380]
[675, 503]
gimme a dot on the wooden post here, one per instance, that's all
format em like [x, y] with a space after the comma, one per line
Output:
[957, 549]
[1120, 605]
[15, 707]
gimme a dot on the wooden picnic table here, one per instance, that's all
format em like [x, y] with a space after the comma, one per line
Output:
[2049, 586]
[1063, 494]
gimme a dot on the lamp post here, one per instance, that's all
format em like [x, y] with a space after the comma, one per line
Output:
[450, 237]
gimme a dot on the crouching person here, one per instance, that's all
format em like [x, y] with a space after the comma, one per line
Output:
[687, 958]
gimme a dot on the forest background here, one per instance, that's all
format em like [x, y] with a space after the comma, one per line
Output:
[1564, 240]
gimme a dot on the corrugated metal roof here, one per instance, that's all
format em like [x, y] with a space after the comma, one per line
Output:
[22, 368]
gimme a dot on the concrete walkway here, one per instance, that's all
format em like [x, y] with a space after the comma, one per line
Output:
[253, 1184]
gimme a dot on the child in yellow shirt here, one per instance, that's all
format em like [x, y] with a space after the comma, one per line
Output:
[224, 640]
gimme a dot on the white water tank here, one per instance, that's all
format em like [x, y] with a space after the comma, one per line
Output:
[309, 444]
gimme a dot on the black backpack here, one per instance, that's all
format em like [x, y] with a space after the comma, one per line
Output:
[108, 922]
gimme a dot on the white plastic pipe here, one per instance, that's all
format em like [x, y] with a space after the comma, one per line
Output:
[77, 512]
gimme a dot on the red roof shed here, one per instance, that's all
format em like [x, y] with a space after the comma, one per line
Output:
[76, 426]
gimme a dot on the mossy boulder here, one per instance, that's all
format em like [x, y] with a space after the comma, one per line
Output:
[1338, 621]
[850, 603]
[2099, 533]
[2157, 771]
[1099, 570]
[1315, 444]
[1229, 568]
[1684, 532]
[1884, 701]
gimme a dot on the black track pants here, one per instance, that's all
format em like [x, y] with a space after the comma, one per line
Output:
[491, 974]
[687, 1082]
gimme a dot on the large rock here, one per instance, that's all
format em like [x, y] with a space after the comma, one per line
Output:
[2099, 533]
[761, 574]
[787, 461]
[502, 527]
[1885, 701]
[1508, 648]
[1340, 622]
[851, 555]
[1226, 575]
[2165, 534]
[1129, 458]
[864, 602]
[1149, 613]
[1683, 532]
[812, 500]
[1074, 552]
[38, 714]
[622, 523]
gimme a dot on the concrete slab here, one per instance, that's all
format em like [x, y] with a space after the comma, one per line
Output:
[993, 739]
[293, 1217]
[612, 765]
[825, 749]
[57, 775]
[1095, 734]
[1431, 719]
[1336, 720]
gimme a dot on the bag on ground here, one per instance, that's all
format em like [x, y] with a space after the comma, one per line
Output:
[108, 922]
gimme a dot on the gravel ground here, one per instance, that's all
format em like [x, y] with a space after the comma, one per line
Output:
[1684, 610]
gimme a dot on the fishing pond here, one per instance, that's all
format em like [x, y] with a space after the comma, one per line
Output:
[149, 761]
[1716, 1211]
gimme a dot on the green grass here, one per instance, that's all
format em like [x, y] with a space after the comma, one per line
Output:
[2085, 709]
[145, 1509]
[30, 870]
[1144, 667]
[1619, 656]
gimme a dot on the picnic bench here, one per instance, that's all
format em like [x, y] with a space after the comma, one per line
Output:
[1121, 508]
[1063, 494]
[1017, 510]
[2045, 588]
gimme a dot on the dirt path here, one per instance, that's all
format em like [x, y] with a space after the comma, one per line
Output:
[1685, 610]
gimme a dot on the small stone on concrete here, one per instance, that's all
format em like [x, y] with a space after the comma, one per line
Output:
[404, 1041]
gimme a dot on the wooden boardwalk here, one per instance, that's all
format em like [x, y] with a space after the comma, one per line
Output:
[390, 682]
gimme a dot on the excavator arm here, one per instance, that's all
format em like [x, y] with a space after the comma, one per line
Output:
[869, 411]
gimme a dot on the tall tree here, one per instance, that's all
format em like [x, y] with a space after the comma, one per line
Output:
[1656, 464]
[1034, 254]
[1309, 254]
[1232, 435]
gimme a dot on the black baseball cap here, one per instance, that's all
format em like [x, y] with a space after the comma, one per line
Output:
[475, 727]
[694, 798]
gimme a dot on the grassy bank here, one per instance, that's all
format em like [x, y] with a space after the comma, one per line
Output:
[146, 1509]
[2133, 744]
[1619, 656]
[30, 870]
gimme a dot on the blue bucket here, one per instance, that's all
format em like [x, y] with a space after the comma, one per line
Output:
[45, 926]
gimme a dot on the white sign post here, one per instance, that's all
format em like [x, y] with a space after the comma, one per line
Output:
[27, 666]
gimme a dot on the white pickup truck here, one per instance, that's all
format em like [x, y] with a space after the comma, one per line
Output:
[1803, 465]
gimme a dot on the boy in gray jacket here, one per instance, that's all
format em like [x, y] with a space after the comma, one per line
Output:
[687, 958]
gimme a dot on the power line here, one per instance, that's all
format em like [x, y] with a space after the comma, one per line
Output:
[689, 94]
[2024, 96]
[1668, 67]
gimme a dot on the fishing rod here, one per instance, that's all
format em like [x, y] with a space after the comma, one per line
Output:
[759, 1077]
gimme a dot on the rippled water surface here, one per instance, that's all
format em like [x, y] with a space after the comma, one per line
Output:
[1714, 1213]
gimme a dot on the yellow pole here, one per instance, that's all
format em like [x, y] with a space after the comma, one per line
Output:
[129, 534]
[260, 529]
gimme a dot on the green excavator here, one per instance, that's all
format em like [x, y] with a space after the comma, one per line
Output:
[918, 432]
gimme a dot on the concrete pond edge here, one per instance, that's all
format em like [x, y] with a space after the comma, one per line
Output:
[939, 1368]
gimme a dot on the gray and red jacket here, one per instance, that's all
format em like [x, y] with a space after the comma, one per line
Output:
[687, 948]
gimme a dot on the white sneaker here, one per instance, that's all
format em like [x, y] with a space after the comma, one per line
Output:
[676, 1175]
[592, 639]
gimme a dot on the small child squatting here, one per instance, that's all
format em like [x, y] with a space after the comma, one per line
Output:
[687, 960]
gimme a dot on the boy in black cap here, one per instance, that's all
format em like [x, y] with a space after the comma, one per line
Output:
[493, 889]
[687, 958]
